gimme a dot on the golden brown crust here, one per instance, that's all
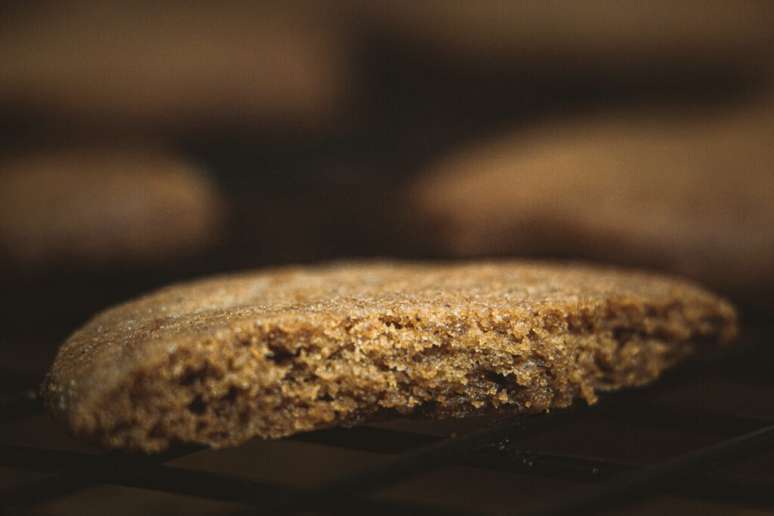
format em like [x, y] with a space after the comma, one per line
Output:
[686, 194]
[277, 352]
[104, 206]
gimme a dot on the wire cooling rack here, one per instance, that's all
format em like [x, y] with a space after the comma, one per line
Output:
[717, 435]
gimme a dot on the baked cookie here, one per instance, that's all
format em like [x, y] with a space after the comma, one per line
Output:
[688, 194]
[104, 206]
[274, 353]
[554, 36]
[180, 67]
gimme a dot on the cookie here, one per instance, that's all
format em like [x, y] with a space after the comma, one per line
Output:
[282, 351]
[178, 68]
[555, 36]
[94, 207]
[687, 194]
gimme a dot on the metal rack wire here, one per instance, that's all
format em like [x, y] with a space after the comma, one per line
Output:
[603, 483]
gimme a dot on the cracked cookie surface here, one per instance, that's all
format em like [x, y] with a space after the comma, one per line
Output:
[276, 352]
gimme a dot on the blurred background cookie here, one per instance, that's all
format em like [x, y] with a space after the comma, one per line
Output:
[561, 37]
[172, 65]
[686, 192]
[104, 206]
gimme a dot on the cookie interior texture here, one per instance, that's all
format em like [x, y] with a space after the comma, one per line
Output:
[278, 352]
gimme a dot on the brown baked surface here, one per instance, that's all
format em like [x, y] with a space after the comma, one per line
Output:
[104, 206]
[283, 351]
[688, 194]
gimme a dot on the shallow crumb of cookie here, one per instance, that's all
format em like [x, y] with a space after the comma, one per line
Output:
[227, 374]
